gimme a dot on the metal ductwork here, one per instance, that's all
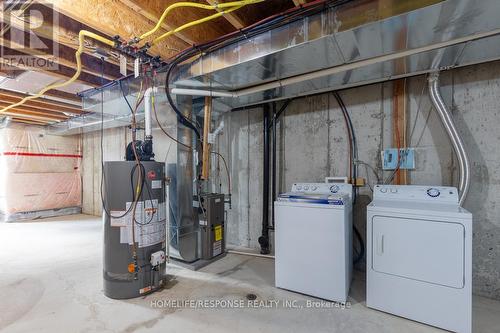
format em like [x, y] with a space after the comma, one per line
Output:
[456, 140]
[349, 45]
[344, 47]
[183, 222]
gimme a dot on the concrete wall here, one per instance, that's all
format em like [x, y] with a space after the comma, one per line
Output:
[312, 144]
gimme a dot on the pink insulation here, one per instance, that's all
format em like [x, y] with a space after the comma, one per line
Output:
[38, 171]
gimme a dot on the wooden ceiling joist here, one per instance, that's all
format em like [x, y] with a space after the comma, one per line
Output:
[65, 34]
[62, 71]
[26, 110]
[180, 16]
[149, 15]
[113, 18]
[230, 17]
[29, 115]
[4, 92]
[41, 105]
[30, 121]
[62, 95]
[63, 54]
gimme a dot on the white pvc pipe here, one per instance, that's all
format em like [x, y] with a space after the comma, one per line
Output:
[201, 92]
[250, 254]
[147, 111]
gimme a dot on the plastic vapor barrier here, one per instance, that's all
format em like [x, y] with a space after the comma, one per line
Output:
[39, 173]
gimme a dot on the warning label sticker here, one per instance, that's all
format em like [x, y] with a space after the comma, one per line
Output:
[155, 184]
[218, 232]
[149, 222]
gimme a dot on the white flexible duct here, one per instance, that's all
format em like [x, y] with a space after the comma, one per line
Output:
[456, 140]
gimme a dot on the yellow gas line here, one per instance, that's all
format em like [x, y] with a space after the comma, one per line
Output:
[231, 6]
[191, 24]
[81, 36]
[196, 5]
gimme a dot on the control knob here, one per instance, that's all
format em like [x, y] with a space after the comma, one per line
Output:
[433, 192]
[334, 188]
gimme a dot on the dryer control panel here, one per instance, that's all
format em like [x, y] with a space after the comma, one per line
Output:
[323, 188]
[441, 194]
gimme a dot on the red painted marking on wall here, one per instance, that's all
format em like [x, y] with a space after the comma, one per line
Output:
[11, 153]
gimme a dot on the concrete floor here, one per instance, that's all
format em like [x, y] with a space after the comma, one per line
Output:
[51, 281]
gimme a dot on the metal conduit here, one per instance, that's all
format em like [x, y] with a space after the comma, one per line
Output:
[456, 140]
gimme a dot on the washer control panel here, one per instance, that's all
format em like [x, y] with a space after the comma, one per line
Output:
[416, 192]
[323, 188]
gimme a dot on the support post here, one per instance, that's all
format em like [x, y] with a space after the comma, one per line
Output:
[399, 136]
[205, 169]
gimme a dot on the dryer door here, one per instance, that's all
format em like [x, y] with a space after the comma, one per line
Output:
[429, 251]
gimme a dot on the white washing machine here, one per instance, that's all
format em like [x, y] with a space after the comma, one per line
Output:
[419, 253]
[313, 240]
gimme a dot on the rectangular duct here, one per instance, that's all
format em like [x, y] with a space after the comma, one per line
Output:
[443, 35]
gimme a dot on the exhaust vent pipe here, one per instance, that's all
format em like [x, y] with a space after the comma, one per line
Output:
[456, 140]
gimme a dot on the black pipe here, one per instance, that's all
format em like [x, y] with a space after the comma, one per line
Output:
[264, 239]
[274, 125]
[273, 163]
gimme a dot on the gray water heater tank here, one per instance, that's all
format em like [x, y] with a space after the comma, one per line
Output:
[125, 277]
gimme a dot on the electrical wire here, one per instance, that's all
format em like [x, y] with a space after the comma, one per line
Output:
[361, 253]
[349, 136]
[183, 119]
[375, 172]
[125, 97]
[227, 170]
[257, 28]
[162, 128]
[354, 166]
[400, 160]
[103, 173]
[352, 141]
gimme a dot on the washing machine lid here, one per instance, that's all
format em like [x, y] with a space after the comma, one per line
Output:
[323, 199]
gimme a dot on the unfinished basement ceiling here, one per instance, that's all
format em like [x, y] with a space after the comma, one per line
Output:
[126, 18]
[441, 36]
[30, 82]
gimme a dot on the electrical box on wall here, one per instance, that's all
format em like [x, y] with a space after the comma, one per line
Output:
[406, 158]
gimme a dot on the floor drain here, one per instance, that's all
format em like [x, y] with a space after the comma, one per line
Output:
[251, 297]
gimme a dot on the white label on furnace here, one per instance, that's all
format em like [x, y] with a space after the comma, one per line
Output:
[217, 248]
[203, 222]
[155, 184]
